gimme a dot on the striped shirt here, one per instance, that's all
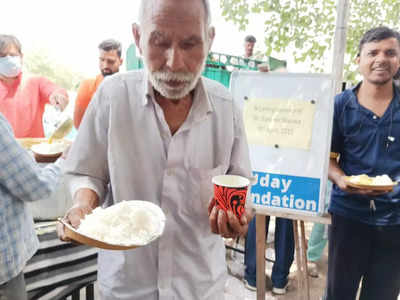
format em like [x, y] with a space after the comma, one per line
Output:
[21, 180]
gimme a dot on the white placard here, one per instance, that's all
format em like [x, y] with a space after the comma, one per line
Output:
[291, 172]
[279, 122]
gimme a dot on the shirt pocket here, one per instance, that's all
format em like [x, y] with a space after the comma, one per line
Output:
[202, 189]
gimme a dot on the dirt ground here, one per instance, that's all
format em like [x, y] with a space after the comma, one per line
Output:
[235, 289]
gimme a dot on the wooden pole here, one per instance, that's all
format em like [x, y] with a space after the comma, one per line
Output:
[304, 260]
[260, 253]
[339, 47]
[300, 281]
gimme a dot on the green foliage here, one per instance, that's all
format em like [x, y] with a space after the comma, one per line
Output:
[308, 26]
[38, 62]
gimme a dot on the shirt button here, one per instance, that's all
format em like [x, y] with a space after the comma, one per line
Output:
[374, 117]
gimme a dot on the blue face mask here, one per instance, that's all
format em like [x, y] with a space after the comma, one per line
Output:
[10, 66]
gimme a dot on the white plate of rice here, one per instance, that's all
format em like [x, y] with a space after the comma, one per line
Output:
[125, 225]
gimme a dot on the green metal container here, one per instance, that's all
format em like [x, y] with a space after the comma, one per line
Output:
[219, 66]
[133, 62]
[218, 74]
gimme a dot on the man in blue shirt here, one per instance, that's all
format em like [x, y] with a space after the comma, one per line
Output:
[364, 236]
[21, 180]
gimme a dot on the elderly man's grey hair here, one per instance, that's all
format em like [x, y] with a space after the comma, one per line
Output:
[205, 2]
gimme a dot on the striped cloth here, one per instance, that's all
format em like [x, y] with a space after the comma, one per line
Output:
[58, 267]
[21, 180]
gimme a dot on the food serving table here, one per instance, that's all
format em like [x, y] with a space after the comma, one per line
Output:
[60, 269]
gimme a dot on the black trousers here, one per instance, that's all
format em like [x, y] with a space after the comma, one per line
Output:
[359, 251]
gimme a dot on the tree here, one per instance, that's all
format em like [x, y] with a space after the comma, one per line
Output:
[308, 26]
[38, 62]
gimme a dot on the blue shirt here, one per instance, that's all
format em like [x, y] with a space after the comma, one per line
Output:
[362, 140]
[21, 180]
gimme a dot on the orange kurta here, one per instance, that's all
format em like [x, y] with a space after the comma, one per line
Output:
[85, 93]
[23, 102]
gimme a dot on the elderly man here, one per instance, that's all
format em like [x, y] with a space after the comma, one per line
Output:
[110, 61]
[22, 99]
[160, 135]
[364, 239]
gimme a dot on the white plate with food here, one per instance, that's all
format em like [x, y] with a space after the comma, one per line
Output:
[49, 152]
[123, 226]
[377, 183]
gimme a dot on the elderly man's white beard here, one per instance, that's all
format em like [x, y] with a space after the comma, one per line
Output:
[188, 82]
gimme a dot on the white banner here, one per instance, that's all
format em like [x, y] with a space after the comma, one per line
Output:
[288, 121]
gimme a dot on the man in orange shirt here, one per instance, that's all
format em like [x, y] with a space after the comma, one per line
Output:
[22, 99]
[109, 62]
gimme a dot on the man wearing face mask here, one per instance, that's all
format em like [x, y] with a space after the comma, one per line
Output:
[109, 62]
[22, 100]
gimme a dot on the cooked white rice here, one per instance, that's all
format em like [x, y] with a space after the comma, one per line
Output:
[382, 180]
[365, 179]
[53, 148]
[126, 223]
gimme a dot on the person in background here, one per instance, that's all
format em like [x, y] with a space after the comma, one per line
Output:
[22, 99]
[161, 134]
[22, 180]
[364, 236]
[315, 247]
[110, 60]
[284, 255]
[249, 43]
[318, 239]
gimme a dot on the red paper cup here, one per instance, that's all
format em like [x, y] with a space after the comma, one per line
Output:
[230, 192]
